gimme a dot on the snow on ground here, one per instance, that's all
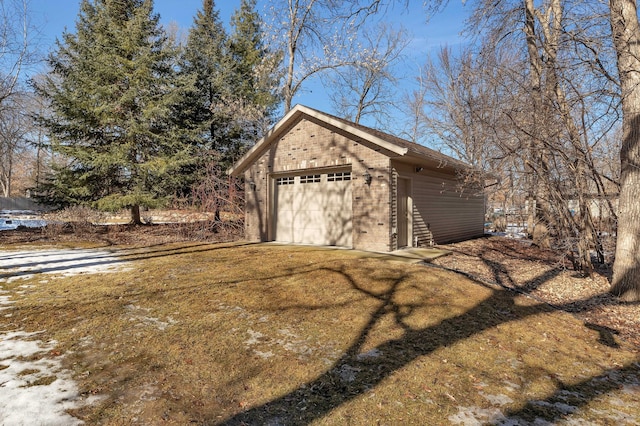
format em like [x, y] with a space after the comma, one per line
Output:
[512, 231]
[15, 265]
[34, 389]
[11, 219]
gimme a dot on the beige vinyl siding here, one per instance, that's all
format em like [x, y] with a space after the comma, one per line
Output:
[421, 233]
[440, 206]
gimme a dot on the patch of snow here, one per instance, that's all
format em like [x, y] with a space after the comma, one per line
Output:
[263, 355]
[34, 389]
[476, 416]
[510, 386]
[558, 406]
[149, 393]
[254, 338]
[148, 320]
[617, 401]
[348, 373]
[296, 347]
[292, 343]
[631, 389]
[26, 264]
[373, 353]
[515, 363]
[616, 417]
[23, 399]
[512, 230]
[500, 399]
[12, 219]
[5, 301]
[287, 333]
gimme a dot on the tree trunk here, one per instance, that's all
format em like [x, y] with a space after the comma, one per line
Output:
[535, 189]
[626, 39]
[5, 175]
[135, 215]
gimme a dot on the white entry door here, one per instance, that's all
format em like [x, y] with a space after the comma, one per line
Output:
[313, 209]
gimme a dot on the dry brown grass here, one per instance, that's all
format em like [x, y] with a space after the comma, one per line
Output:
[264, 334]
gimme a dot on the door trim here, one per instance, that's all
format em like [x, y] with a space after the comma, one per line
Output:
[405, 221]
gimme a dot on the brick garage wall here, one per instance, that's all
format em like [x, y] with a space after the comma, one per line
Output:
[308, 145]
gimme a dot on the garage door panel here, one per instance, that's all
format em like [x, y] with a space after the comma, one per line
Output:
[313, 210]
[339, 230]
[284, 214]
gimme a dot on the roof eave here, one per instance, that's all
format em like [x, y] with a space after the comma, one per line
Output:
[442, 163]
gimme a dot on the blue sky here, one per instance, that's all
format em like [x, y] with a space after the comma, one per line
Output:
[52, 16]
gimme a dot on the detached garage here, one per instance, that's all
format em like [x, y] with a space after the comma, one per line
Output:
[318, 179]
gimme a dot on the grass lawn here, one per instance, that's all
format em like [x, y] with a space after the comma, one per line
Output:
[267, 334]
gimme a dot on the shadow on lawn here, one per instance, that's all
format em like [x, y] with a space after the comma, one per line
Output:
[330, 390]
[86, 258]
[317, 398]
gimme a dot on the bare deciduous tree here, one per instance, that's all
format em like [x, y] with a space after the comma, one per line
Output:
[366, 85]
[14, 126]
[16, 50]
[313, 35]
[542, 99]
[547, 27]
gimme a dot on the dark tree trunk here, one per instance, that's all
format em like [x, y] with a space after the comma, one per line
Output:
[135, 215]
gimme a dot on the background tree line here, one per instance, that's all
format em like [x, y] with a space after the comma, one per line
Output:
[543, 99]
[547, 98]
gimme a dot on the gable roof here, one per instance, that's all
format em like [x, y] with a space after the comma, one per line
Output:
[399, 148]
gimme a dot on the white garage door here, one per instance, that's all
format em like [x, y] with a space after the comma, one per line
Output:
[313, 209]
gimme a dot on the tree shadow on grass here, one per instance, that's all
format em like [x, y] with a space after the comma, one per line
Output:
[570, 397]
[50, 261]
[355, 373]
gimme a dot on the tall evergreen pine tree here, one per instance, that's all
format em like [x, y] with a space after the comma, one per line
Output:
[112, 91]
[203, 60]
[235, 86]
[254, 82]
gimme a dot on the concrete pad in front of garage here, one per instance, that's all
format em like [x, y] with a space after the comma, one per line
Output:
[408, 255]
[420, 254]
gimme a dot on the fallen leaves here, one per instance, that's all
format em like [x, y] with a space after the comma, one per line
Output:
[544, 275]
